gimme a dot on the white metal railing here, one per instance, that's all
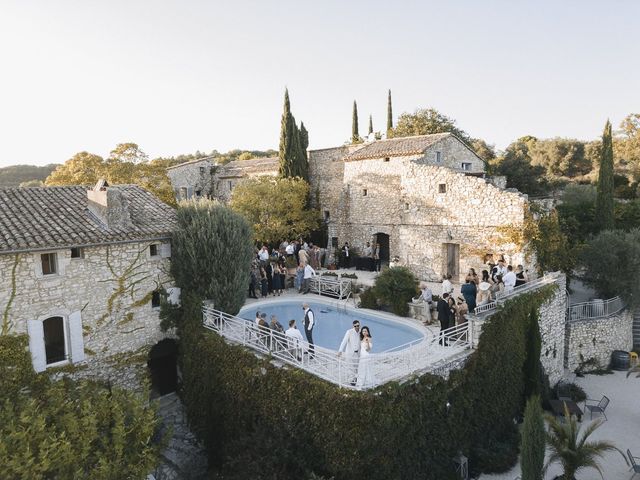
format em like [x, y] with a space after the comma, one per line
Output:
[332, 287]
[594, 309]
[503, 296]
[392, 364]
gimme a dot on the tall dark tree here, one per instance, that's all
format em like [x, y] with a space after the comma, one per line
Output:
[604, 200]
[287, 132]
[293, 145]
[533, 441]
[355, 136]
[370, 125]
[304, 144]
[389, 116]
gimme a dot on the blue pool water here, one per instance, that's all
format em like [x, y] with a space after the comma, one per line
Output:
[332, 324]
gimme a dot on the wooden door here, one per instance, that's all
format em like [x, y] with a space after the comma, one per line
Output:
[452, 260]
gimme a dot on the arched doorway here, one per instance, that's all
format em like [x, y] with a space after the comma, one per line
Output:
[163, 366]
[383, 240]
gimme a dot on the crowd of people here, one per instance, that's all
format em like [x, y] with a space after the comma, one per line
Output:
[269, 275]
[355, 347]
[477, 290]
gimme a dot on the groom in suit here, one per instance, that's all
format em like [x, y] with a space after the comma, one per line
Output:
[350, 346]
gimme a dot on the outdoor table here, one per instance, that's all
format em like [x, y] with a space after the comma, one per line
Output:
[365, 263]
[558, 408]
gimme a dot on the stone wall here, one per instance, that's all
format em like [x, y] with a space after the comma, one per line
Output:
[453, 153]
[552, 323]
[111, 287]
[423, 208]
[192, 177]
[597, 337]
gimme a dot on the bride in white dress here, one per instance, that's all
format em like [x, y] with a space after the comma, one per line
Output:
[365, 374]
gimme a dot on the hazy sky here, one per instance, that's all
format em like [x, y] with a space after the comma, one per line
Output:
[180, 76]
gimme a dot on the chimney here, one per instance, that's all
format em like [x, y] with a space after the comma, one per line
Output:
[109, 205]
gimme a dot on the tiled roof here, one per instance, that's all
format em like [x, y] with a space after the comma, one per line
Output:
[51, 217]
[396, 147]
[240, 168]
[191, 162]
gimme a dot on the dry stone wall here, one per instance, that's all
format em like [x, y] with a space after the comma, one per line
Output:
[111, 286]
[192, 177]
[552, 330]
[453, 153]
[423, 208]
[597, 338]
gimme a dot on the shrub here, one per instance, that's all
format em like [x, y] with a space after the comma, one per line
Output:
[240, 403]
[369, 299]
[68, 429]
[396, 287]
[212, 253]
[610, 259]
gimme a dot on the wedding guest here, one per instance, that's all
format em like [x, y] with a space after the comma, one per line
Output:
[484, 293]
[461, 311]
[473, 276]
[509, 279]
[521, 276]
[469, 292]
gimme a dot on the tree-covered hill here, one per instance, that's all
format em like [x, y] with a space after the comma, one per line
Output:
[14, 175]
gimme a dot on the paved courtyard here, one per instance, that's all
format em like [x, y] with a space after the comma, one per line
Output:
[622, 427]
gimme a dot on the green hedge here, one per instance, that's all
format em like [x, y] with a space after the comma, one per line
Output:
[262, 421]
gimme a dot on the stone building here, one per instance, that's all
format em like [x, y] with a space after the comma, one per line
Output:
[82, 275]
[205, 178]
[193, 179]
[425, 199]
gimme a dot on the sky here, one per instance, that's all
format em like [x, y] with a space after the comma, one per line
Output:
[180, 76]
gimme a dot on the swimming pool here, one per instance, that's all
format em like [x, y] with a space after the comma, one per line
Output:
[333, 320]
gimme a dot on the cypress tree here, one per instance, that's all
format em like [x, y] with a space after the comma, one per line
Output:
[370, 125]
[355, 136]
[604, 201]
[304, 144]
[533, 441]
[531, 368]
[389, 116]
[286, 138]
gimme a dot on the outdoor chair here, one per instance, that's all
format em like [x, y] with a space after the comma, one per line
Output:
[634, 466]
[563, 391]
[598, 407]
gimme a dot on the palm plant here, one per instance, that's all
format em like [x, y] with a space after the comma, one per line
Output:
[571, 447]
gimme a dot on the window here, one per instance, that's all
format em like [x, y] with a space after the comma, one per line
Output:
[326, 215]
[155, 299]
[364, 192]
[153, 250]
[334, 242]
[198, 193]
[438, 157]
[201, 170]
[183, 193]
[406, 207]
[55, 340]
[49, 263]
[442, 188]
[230, 185]
[466, 166]
[386, 159]
[77, 252]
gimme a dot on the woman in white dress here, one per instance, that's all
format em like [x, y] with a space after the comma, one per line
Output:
[365, 374]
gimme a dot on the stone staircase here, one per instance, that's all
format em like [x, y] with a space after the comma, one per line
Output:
[183, 458]
[636, 330]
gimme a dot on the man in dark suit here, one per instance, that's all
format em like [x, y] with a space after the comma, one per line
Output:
[443, 316]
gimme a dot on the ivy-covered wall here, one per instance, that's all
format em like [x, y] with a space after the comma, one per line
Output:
[259, 420]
